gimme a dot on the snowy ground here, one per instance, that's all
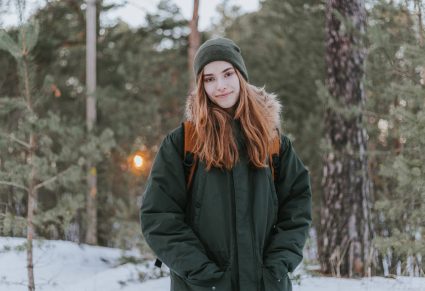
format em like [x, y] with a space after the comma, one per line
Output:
[67, 266]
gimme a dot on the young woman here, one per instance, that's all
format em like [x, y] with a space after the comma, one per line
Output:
[241, 224]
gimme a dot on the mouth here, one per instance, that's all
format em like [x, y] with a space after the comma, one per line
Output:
[224, 95]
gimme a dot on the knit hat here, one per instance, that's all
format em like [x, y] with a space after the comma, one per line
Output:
[219, 49]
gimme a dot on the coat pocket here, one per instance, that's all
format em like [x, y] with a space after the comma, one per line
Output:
[271, 283]
[224, 283]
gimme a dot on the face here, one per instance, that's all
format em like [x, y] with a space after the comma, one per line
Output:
[221, 83]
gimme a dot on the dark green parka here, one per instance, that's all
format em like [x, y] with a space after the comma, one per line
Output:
[235, 232]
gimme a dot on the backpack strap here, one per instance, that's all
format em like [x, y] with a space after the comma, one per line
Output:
[190, 160]
[274, 150]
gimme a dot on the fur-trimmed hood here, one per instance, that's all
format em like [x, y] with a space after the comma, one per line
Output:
[268, 100]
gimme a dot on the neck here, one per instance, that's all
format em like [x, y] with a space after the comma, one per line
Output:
[231, 110]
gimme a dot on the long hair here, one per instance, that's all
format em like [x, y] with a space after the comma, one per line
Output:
[215, 143]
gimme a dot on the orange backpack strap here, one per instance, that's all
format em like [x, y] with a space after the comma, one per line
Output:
[189, 159]
[274, 150]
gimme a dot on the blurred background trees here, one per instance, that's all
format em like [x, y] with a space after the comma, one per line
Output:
[395, 84]
[143, 80]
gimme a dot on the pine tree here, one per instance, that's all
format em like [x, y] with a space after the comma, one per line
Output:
[42, 153]
[31, 171]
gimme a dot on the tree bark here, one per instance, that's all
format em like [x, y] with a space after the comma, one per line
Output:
[346, 232]
[91, 206]
[32, 202]
[194, 42]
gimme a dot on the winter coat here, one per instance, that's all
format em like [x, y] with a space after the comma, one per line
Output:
[233, 231]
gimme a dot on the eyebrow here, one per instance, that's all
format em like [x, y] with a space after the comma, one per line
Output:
[225, 70]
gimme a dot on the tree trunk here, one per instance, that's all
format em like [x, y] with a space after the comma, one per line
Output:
[91, 231]
[24, 66]
[32, 200]
[345, 247]
[194, 42]
[418, 5]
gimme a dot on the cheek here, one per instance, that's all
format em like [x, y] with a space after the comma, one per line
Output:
[236, 85]
[209, 89]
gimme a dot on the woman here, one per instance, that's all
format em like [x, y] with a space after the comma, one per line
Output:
[235, 227]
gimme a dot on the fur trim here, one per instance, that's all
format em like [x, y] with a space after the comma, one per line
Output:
[268, 100]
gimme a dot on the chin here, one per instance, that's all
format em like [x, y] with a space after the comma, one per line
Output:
[226, 106]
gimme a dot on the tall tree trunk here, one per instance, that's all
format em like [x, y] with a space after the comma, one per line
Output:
[419, 6]
[32, 202]
[194, 42]
[24, 67]
[91, 232]
[346, 226]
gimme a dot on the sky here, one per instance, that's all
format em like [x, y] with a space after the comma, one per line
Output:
[133, 13]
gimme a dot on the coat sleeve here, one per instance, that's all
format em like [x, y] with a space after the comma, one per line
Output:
[162, 216]
[285, 250]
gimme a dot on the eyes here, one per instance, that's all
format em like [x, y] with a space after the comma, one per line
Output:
[210, 79]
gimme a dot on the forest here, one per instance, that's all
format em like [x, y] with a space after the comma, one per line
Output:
[74, 158]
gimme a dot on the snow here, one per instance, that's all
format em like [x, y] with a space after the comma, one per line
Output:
[67, 266]
[366, 284]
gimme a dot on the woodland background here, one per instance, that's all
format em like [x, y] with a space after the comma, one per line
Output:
[143, 78]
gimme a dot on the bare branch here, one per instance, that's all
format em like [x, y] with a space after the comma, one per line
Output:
[27, 145]
[50, 180]
[14, 185]
[17, 140]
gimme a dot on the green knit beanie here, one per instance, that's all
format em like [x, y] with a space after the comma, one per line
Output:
[219, 49]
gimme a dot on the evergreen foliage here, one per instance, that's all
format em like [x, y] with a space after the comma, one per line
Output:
[57, 156]
[142, 85]
[135, 110]
[397, 108]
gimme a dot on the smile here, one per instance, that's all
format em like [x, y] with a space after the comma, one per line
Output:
[224, 95]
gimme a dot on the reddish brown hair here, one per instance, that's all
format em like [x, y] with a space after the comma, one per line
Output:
[215, 143]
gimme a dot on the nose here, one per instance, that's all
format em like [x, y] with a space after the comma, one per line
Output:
[221, 84]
